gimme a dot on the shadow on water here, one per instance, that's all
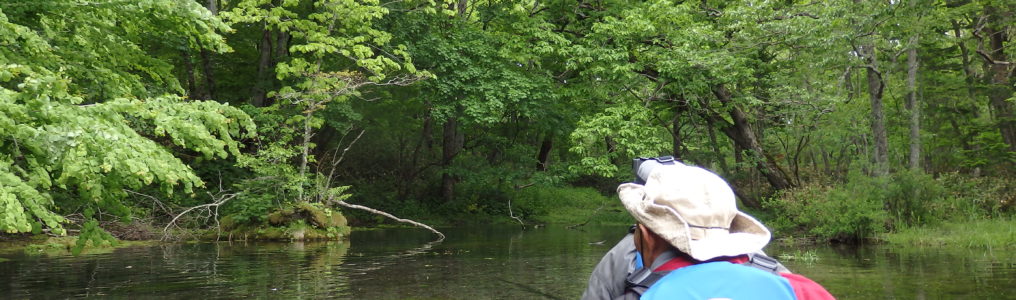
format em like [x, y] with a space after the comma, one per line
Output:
[477, 262]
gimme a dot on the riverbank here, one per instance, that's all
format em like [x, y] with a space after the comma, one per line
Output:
[988, 234]
[61, 245]
[993, 234]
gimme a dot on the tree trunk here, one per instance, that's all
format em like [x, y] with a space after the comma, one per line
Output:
[426, 133]
[965, 56]
[914, 106]
[189, 68]
[675, 131]
[795, 161]
[410, 173]
[999, 88]
[451, 145]
[716, 149]
[206, 65]
[543, 157]
[738, 155]
[206, 59]
[308, 133]
[611, 149]
[213, 6]
[281, 46]
[741, 133]
[876, 87]
[263, 83]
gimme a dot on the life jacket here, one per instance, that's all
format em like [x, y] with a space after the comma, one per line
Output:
[641, 280]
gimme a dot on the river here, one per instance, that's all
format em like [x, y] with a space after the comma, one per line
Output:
[475, 262]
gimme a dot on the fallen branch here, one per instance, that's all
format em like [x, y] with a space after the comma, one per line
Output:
[440, 235]
[590, 218]
[222, 199]
[511, 214]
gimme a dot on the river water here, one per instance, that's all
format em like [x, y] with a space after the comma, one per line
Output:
[476, 262]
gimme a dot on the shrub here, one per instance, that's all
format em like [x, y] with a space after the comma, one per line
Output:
[914, 199]
[852, 212]
[975, 197]
[864, 206]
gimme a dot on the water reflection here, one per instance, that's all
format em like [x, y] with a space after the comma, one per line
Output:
[485, 262]
[206, 270]
[879, 271]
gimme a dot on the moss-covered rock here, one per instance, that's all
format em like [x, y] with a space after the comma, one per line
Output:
[280, 217]
[301, 221]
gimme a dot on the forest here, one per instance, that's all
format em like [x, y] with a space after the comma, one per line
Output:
[837, 119]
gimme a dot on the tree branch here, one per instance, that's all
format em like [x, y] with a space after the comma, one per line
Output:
[222, 199]
[440, 235]
[991, 60]
[156, 200]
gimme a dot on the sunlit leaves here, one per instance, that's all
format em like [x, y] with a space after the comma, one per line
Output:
[626, 124]
[22, 205]
[102, 45]
[83, 109]
[337, 32]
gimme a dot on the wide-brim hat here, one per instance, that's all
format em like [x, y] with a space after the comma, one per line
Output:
[695, 211]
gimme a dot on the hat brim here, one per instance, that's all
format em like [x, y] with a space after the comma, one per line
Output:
[746, 234]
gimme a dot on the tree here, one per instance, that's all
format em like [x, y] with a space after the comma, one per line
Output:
[912, 94]
[333, 51]
[995, 24]
[490, 95]
[86, 112]
[702, 53]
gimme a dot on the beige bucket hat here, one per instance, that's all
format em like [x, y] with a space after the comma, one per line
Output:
[695, 211]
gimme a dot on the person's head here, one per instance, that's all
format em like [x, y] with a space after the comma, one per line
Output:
[692, 210]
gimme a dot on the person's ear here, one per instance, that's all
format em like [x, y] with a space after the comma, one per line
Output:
[642, 236]
[649, 240]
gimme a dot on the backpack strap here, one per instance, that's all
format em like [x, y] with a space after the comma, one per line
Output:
[639, 281]
[642, 286]
[765, 263]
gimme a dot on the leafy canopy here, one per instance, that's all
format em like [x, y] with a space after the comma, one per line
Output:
[86, 111]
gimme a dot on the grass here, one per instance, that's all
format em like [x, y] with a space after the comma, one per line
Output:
[570, 205]
[992, 234]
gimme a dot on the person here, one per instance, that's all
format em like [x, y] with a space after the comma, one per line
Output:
[693, 241]
[607, 281]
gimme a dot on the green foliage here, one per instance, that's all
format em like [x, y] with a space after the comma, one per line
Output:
[913, 198]
[970, 198]
[84, 114]
[101, 49]
[852, 212]
[92, 233]
[23, 204]
[867, 207]
[273, 166]
[629, 126]
[335, 50]
[521, 100]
